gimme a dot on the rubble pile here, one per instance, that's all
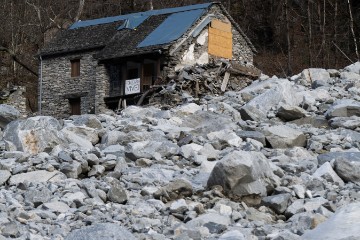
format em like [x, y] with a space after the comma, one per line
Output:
[201, 80]
[276, 160]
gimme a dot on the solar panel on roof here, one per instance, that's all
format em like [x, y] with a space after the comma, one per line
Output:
[166, 32]
[140, 15]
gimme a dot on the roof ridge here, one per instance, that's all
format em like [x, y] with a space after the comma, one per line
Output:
[149, 13]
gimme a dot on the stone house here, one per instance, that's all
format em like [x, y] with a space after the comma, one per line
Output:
[96, 63]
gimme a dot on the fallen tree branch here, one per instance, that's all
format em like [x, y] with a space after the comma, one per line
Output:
[17, 60]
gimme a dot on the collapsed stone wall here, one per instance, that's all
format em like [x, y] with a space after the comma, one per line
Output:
[194, 50]
[15, 97]
[58, 85]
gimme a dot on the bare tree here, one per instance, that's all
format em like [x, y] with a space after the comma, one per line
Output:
[352, 31]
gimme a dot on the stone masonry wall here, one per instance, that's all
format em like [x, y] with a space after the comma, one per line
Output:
[102, 88]
[57, 84]
[15, 97]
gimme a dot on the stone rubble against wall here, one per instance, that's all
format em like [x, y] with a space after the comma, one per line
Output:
[15, 97]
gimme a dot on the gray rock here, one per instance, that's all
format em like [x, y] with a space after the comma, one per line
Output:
[96, 170]
[34, 135]
[355, 68]
[101, 231]
[314, 74]
[342, 225]
[87, 120]
[315, 121]
[243, 173]
[258, 108]
[290, 113]
[232, 235]
[284, 137]
[4, 176]
[72, 169]
[278, 203]
[38, 197]
[352, 122]
[211, 220]
[258, 136]
[319, 83]
[87, 133]
[10, 229]
[56, 206]
[327, 172]
[150, 149]
[35, 177]
[343, 108]
[179, 206]
[117, 193]
[348, 168]
[179, 188]
[7, 114]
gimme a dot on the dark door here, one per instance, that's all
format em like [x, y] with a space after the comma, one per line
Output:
[148, 75]
[75, 106]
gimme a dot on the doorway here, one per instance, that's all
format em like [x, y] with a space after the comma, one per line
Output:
[75, 106]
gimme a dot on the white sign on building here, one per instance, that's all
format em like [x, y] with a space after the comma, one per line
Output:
[132, 86]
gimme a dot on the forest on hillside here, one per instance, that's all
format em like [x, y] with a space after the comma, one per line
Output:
[289, 35]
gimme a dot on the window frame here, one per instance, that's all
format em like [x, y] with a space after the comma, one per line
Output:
[75, 68]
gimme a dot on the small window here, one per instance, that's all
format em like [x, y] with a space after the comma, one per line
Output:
[75, 68]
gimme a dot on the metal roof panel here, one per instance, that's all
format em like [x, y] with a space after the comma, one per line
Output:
[172, 28]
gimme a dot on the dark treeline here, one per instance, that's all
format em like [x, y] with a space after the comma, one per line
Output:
[290, 35]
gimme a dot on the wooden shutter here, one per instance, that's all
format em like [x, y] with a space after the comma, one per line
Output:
[75, 68]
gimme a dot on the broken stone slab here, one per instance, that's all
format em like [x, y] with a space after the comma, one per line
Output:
[259, 107]
[242, 173]
[189, 150]
[87, 133]
[278, 203]
[211, 221]
[347, 168]
[330, 156]
[88, 120]
[117, 193]
[34, 135]
[326, 172]
[258, 136]
[342, 225]
[177, 189]
[343, 108]
[225, 136]
[74, 138]
[352, 122]
[7, 114]
[314, 74]
[150, 149]
[56, 206]
[355, 68]
[35, 177]
[290, 113]
[4, 176]
[101, 231]
[284, 137]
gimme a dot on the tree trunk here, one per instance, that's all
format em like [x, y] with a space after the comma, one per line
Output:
[352, 31]
[289, 71]
[310, 33]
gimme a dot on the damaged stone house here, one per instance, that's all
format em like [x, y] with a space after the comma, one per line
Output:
[95, 64]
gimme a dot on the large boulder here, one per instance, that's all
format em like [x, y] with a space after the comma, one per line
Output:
[7, 114]
[34, 135]
[311, 75]
[151, 149]
[348, 168]
[242, 173]
[34, 177]
[344, 224]
[101, 231]
[290, 113]
[343, 108]
[355, 68]
[258, 108]
[284, 137]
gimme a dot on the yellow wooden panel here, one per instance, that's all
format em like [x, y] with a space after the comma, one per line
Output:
[220, 43]
[225, 27]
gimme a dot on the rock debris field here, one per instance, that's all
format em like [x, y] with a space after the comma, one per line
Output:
[277, 160]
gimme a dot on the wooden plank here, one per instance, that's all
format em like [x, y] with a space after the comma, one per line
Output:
[220, 43]
[225, 81]
[217, 24]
